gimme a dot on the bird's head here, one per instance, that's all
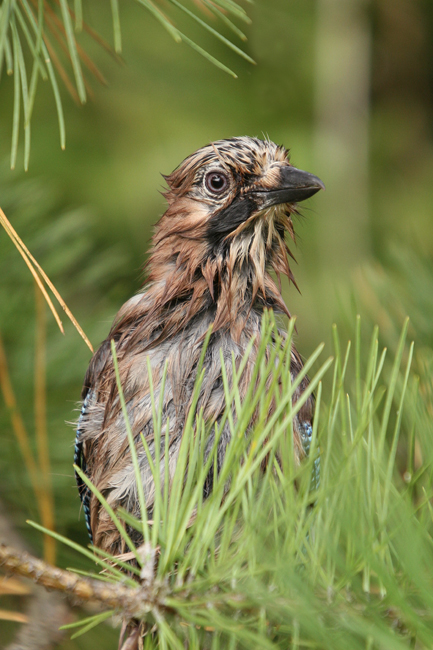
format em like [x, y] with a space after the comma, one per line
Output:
[230, 206]
[227, 185]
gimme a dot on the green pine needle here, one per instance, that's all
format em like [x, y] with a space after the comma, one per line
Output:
[263, 561]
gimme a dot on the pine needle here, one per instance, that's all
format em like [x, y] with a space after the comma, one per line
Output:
[34, 269]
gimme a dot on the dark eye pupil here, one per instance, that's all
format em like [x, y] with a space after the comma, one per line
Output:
[216, 182]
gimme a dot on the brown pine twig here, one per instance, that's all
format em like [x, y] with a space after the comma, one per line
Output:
[131, 602]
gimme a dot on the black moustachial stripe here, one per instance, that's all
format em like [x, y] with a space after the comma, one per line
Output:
[228, 219]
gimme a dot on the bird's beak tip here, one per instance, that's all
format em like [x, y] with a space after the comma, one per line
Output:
[295, 185]
[310, 181]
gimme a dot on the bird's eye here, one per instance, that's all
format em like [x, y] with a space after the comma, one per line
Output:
[216, 182]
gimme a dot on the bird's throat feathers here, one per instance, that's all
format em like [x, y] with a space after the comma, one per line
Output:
[189, 272]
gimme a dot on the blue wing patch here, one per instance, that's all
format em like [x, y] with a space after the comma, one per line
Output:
[306, 436]
[80, 461]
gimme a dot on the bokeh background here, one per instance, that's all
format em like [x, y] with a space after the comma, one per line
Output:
[347, 85]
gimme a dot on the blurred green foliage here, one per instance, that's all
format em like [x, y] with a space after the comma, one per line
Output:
[86, 213]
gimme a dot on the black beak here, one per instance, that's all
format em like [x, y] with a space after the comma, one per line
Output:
[294, 185]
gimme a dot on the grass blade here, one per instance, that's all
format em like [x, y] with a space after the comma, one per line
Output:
[162, 18]
[25, 94]
[16, 111]
[132, 448]
[208, 56]
[116, 26]
[83, 551]
[234, 28]
[38, 29]
[114, 518]
[5, 12]
[72, 46]
[78, 10]
[210, 29]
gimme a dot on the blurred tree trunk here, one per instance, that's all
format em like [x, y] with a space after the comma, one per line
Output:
[342, 91]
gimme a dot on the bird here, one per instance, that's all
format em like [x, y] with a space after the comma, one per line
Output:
[216, 258]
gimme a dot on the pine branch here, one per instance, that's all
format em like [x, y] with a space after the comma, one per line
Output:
[133, 603]
[34, 31]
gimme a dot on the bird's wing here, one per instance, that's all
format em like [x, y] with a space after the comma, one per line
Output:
[80, 461]
[98, 361]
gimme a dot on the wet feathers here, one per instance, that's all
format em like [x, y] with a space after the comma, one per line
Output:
[217, 257]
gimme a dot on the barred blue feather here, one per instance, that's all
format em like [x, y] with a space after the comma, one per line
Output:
[306, 437]
[80, 461]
